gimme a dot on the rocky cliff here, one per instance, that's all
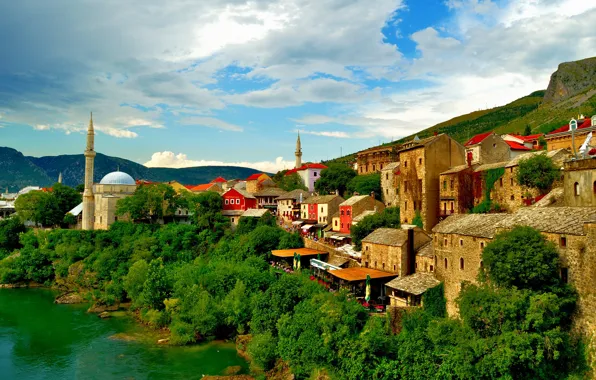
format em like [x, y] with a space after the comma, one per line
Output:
[571, 79]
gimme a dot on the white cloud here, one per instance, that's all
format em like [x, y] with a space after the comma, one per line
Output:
[336, 134]
[41, 127]
[168, 159]
[210, 122]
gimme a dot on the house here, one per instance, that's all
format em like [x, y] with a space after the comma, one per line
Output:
[456, 190]
[486, 148]
[219, 180]
[216, 187]
[517, 149]
[506, 191]
[317, 212]
[421, 164]
[532, 141]
[394, 250]
[255, 213]
[563, 138]
[389, 176]
[460, 239]
[177, 186]
[309, 174]
[267, 198]
[258, 181]
[355, 206]
[579, 183]
[374, 160]
[408, 290]
[288, 204]
[235, 202]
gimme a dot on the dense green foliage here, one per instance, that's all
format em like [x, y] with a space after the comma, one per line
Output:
[204, 284]
[489, 177]
[10, 231]
[417, 220]
[538, 172]
[389, 218]
[366, 184]
[335, 178]
[288, 182]
[47, 208]
[149, 202]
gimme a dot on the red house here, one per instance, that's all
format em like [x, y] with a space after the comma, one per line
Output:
[355, 206]
[238, 200]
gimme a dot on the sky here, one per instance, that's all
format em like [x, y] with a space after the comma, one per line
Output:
[183, 83]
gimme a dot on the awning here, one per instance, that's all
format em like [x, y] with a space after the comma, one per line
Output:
[319, 264]
[336, 237]
[307, 227]
[320, 225]
[297, 222]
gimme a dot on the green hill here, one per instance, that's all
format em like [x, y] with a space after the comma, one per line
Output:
[571, 91]
[20, 171]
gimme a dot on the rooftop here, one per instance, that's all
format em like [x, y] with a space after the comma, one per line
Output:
[455, 169]
[77, 210]
[426, 250]
[395, 237]
[295, 194]
[479, 225]
[391, 166]
[415, 284]
[269, 192]
[581, 124]
[359, 274]
[203, 187]
[255, 213]
[117, 178]
[254, 177]
[321, 199]
[515, 146]
[362, 215]
[219, 180]
[301, 251]
[477, 139]
[558, 220]
[354, 199]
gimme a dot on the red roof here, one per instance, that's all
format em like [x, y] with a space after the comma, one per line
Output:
[203, 187]
[477, 139]
[531, 137]
[292, 171]
[219, 180]
[585, 124]
[189, 186]
[254, 177]
[515, 146]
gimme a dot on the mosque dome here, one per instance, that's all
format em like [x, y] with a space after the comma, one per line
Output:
[117, 178]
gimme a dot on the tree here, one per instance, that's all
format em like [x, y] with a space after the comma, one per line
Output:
[39, 207]
[10, 231]
[542, 143]
[417, 221]
[538, 172]
[80, 188]
[149, 202]
[289, 182]
[156, 288]
[366, 184]
[387, 218]
[527, 130]
[134, 281]
[66, 198]
[335, 177]
[522, 258]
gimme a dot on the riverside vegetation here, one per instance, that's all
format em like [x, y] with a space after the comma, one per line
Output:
[203, 281]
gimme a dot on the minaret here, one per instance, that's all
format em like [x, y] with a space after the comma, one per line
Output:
[60, 177]
[88, 198]
[298, 152]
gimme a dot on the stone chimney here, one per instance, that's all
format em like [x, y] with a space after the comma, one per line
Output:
[410, 254]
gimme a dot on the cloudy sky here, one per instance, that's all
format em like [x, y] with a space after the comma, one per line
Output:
[196, 82]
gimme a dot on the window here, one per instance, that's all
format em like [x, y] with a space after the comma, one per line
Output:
[374, 167]
[461, 263]
[375, 264]
[405, 186]
[445, 242]
[394, 268]
[405, 164]
[232, 220]
[420, 161]
[383, 265]
[435, 260]
[461, 242]
[501, 182]
[336, 223]
[432, 268]
[511, 181]
[348, 212]
[494, 145]
[481, 264]
[451, 184]
[452, 208]
[367, 247]
[238, 201]
[445, 263]
[342, 226]
[576, 189]
[366, 264]
[513, 197]
[420, 185]
[565, 275]
[406, 205]
[511, 169]
[563, 242]
[227, 201]
[482, 245]
[314, 174]
[386, 191]
[321, 208]
[381, 166]
[387, 176]
[594, 187]
[445, 185]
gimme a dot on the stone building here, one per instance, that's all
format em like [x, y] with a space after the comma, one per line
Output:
[486, 148]
[288, 204]
[389, 179]
[456, 190]
[421, 164]
[407, 291]
[579, 182]
[393, 250]
[355, 206]
[374, 160]
[258, 181]
[531, 141]
[267, 198]
[562, 138]
[507, 192]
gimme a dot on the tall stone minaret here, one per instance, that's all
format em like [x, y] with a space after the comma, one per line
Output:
[88, 198]
[298, 152]
[60, 177]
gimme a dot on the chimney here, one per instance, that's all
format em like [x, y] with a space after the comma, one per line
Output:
[372, 201]
[410, 254]
[436, 133]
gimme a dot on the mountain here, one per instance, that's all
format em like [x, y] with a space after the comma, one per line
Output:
[19, 171]
[570, 92]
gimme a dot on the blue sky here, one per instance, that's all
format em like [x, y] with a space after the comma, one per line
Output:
[183, 83]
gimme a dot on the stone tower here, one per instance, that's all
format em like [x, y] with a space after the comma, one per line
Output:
[88, 198]
[298, 152]
[60, 177]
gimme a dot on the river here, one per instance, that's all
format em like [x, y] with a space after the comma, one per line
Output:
[43, 340]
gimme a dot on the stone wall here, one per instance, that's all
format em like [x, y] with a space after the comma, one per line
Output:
[582, 173]
[373, 160]
[493, 149]
[308, 243]
[389, 187]
[411, 184]
[384, 257]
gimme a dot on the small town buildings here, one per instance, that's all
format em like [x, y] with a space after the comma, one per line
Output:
[320, 208]
[255, 213]
[579, 183]
[267, 198]
[517, 149]
[373, 160]
[456, 190]
[532, 141]
[355, 206]
[389, 179]
[486, 148]
[421, 164]
[394, 250]
[407, 291]
[354, 280]
[309, 174]
[112, 187]
[288, 204]
[235, 202]
[258, 181]
[215, 187]
[562, 138]
[178, 187]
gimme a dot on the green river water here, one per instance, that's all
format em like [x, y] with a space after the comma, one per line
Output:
[42, 340]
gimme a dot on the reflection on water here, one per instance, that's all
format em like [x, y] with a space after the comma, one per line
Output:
[42, 340]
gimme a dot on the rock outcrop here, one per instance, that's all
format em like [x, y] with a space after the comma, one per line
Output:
[571, 79]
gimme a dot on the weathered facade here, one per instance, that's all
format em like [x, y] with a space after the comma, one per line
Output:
[421, 165]
[563, 138]
[457, 185]
[487, 148]
[288, 204]
[320, 208]
[579, 182]
[257, 182]
[374, 160]
[389, 179]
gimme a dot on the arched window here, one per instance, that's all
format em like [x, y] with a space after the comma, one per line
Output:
[461, 263]
[445, 263]
[513, 197]
[594, 187]
[576, 189]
